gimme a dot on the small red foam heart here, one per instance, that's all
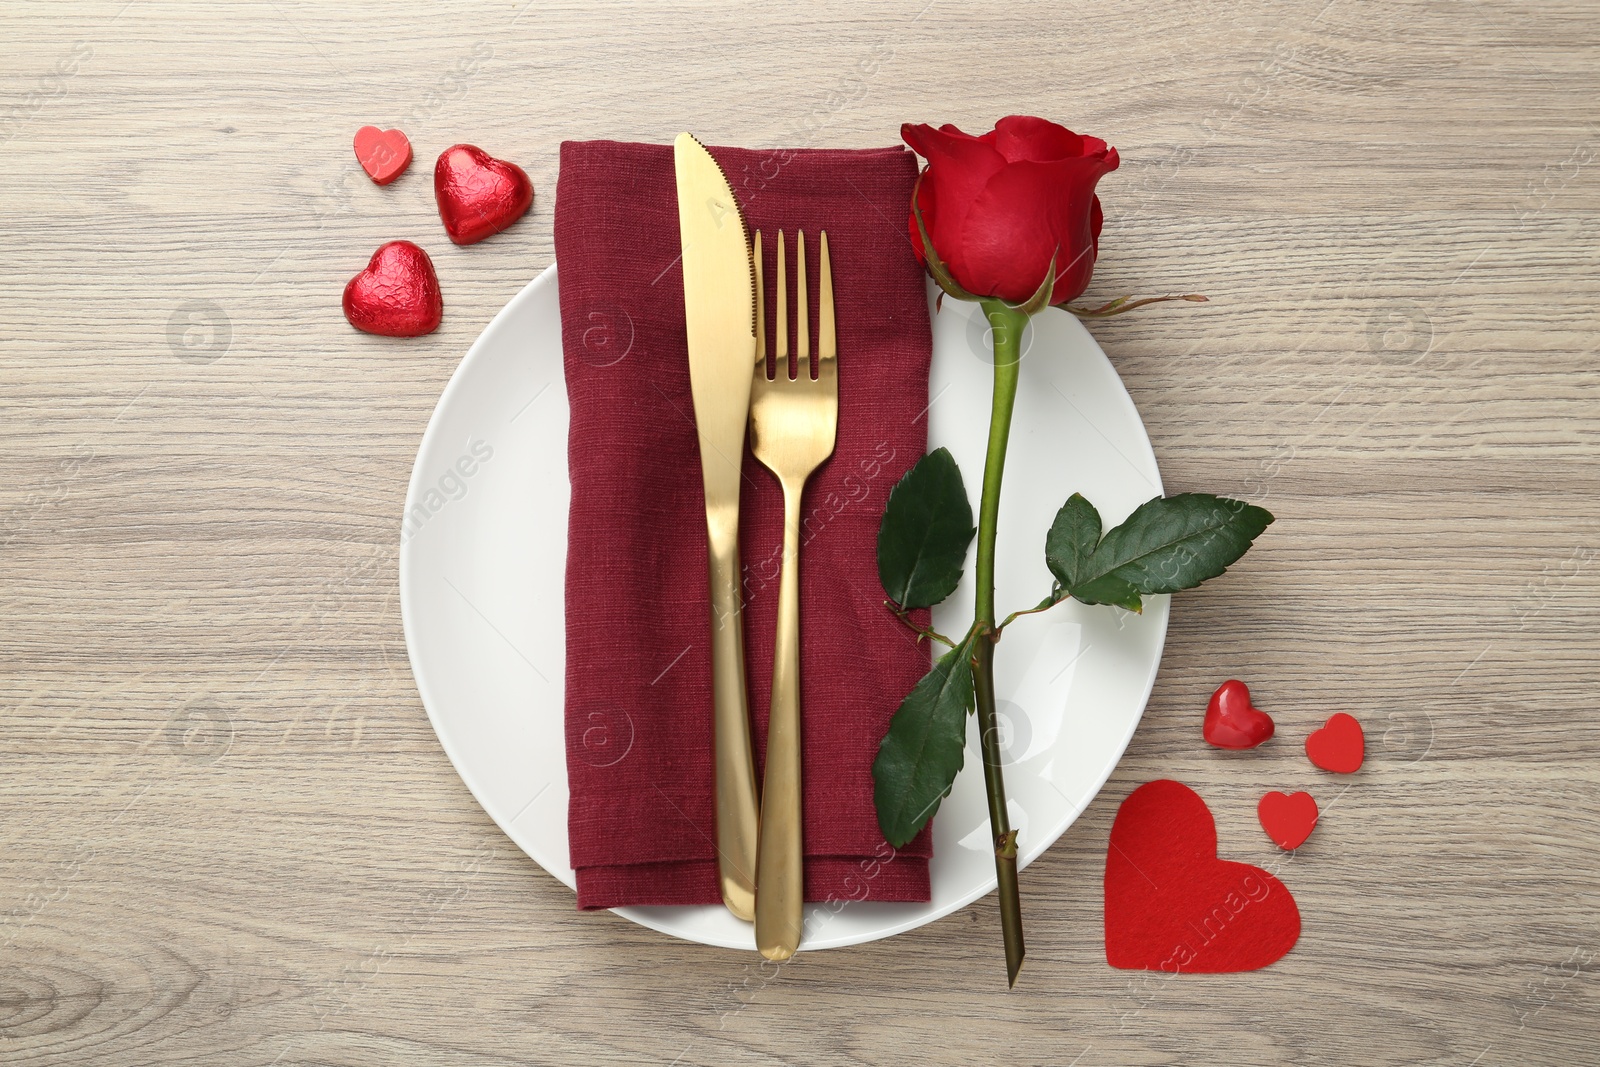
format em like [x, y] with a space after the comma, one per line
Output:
[1230, 720]
[1340, 746]
[397, 295]
[1288, 819]
[478, 194]
[1172, 905]
[383, 154]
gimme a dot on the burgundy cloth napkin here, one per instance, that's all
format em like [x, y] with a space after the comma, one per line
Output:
[641, 820]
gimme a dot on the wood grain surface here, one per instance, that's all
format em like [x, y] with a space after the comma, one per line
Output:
[230, 836]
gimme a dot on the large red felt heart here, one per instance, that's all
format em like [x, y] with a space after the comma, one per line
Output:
[478, 194]
[383, 154]
[1340, 745]
[1172, 905]
[1288, 820]
[397, 295]
[1231, 722]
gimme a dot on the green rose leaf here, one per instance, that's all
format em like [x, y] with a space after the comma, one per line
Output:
[920, 755]
[1108, 589]
[927, 525]
[1072, 539]
[1168, 544]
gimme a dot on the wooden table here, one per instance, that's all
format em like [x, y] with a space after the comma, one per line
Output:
[230, 835]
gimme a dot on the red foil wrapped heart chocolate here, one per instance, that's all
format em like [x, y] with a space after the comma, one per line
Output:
[397, 295]
[478, 194]
[1340, 746]
[1288, 818]
[1231, 721]
[383, 154]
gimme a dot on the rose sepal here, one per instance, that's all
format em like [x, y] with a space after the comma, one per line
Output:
[935, 265]
[1041, 296]
[1127, 303]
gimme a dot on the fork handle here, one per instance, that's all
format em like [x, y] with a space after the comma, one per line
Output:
[780, 877]
[737, 804]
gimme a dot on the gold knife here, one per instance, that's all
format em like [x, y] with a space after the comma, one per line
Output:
[719, 308]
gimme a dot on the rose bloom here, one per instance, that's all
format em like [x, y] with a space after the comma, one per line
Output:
[999, 206]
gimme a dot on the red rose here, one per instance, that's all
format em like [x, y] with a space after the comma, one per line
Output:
[998, 207]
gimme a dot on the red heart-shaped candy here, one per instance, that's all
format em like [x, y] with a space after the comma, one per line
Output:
[383, 154]
[1288, 819]
[1230, 720]
[1340, 745]
[1172, 905]
[397, 295]
[478, 194]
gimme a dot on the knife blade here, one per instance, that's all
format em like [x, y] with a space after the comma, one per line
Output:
[719, 310]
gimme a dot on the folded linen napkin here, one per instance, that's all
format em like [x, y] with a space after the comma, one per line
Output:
[641, 819]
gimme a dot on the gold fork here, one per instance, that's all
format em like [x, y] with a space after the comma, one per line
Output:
[792, 424]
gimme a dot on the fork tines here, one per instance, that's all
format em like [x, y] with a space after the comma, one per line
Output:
[827, 350]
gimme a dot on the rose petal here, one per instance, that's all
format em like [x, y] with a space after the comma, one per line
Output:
[1026, 214]
[959, 165]
[1023, 137]
[955, 131]
[908, 130]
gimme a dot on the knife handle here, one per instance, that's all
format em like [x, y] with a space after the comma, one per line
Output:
[737, 803]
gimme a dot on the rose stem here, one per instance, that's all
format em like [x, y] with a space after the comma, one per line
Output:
[1007, 324]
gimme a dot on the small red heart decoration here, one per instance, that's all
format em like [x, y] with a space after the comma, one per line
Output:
[397, 295]
[1172, 905]
[1340, 746]
[478, 194]
[1230, 720]
[383, 154]
[1288, 820]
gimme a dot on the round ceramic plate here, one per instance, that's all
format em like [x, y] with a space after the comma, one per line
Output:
[483, 552]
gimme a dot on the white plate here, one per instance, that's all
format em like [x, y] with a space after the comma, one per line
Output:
[483, 551]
